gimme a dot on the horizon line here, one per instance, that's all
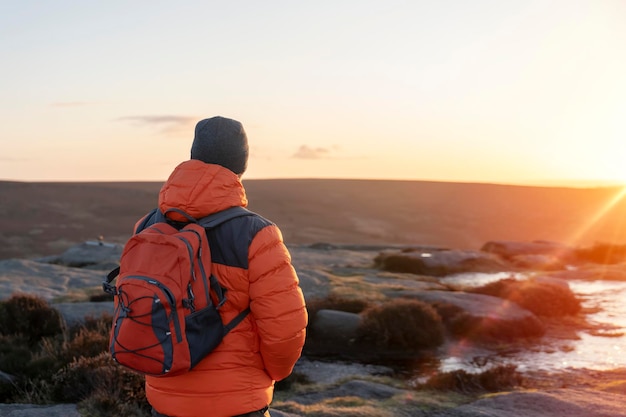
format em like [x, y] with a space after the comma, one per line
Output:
[580, 184]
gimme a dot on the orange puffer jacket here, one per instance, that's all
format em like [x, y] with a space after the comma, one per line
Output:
[253, 264]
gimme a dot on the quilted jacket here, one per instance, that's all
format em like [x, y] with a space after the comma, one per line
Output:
[252, 263]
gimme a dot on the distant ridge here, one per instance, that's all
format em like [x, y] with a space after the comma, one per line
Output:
[43, 218]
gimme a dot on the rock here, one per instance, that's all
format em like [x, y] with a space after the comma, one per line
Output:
[510, 249]
[355, 388]
[44, 280]
[331, 372]
[439, 263]
[555, 403]
[537, 262]
[278, 413]
[29, 410]
[314, 284]
[90, 253]
[339, 327]
[482, 317]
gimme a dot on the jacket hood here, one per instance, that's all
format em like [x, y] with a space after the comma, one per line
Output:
[200, 189]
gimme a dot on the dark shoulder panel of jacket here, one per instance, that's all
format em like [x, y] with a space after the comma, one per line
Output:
[229, 242]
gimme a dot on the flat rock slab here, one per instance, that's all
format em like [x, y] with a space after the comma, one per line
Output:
[89, 253]
[555, 403]
[29, 410]
[356, 388]
[331, 372]
[44, 280]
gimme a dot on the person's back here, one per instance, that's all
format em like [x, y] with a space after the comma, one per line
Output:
[251, 261]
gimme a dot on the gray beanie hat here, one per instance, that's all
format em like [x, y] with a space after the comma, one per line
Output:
[221, 141]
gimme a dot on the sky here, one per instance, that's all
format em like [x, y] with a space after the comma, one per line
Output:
[497, 91]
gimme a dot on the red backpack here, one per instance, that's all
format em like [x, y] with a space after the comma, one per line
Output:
[167, 301]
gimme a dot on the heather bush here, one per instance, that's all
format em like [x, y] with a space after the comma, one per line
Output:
[88, 339]
[492, 380]
[541, 298]
[401, 324]
[398, 263]
[30, 316]
[85, 343]
[48, 362]
[15, 353]
[101, 383]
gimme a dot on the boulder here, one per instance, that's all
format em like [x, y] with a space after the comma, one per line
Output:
[482, 317]
[337, 326]
[90, 253]
[439, 263]
[537, 262]
[538, 251]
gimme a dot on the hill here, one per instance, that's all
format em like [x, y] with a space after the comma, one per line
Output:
[39, 219]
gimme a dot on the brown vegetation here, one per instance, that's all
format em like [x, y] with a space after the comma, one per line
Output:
[47, 362]
[496, 379]
[541, 298]
[408, 325]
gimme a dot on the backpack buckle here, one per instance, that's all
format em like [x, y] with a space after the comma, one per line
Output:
[109, 288]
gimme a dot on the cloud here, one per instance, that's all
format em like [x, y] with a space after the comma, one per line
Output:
[169, 124]
[70, 104]
[306, 152]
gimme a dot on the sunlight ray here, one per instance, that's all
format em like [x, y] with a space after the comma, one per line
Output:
[602, 211]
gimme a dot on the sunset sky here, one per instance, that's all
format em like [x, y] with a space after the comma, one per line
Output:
[524, 92]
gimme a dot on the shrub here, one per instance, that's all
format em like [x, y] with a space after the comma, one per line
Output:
[15, 354]
[89, 338]
[493, 380]
[29, 367]
[31, 316]
[86, 343]
[101, 382]
[541, 298]
[409, 325]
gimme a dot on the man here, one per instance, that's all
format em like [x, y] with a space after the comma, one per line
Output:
[251, 261]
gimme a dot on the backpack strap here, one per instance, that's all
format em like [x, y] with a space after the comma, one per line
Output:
[149, 219]
[238, 319]
[213, 220]
[210, 222]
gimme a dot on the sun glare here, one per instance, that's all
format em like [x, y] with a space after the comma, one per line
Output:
[597, 217]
